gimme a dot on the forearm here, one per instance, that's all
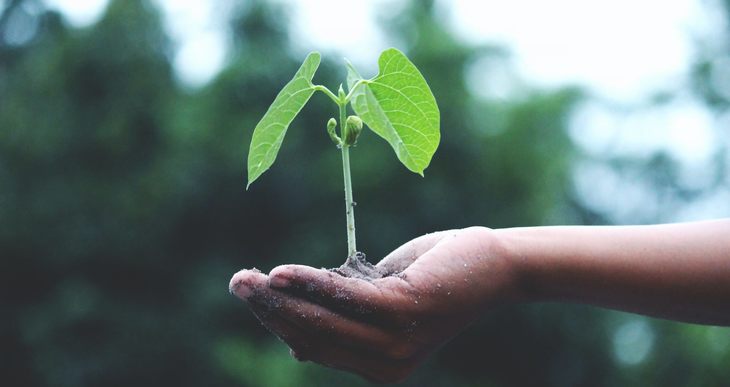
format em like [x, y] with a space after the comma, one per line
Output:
[675, 271]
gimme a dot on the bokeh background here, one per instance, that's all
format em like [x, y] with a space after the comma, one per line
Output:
[124, 126]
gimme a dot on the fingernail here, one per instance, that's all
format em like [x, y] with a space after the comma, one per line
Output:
[278, 281]
[237, 288]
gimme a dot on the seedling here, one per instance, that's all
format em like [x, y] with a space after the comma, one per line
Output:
[396, 104]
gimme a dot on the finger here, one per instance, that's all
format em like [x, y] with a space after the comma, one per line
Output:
[320, 322]
[284, 330]
[402, 257]
[375, 369]
[349, 295]
[332, 353]
[245, 282]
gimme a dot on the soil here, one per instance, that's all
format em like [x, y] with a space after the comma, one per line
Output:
[357, 266]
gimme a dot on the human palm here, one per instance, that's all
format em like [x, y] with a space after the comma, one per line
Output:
[382, 329]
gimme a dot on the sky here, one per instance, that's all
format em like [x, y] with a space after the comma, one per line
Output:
[608, 48]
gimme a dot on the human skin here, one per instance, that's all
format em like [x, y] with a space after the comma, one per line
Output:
[384, 328]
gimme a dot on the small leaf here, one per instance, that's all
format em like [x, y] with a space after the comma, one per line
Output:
[398, 105]
[269, 132]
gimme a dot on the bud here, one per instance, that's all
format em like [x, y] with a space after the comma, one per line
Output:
[341, 93]
[331, 125]
[353, 128]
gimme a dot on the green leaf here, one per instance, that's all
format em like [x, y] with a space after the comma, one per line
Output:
[269, 132]
[398, 105]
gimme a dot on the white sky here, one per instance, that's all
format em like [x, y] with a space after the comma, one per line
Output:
[622, 51]
[79, 12]
[620, 48]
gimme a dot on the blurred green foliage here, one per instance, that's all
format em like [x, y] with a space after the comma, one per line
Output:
[123, 212]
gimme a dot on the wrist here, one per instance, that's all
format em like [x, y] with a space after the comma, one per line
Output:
[503, 263]
[515, 249]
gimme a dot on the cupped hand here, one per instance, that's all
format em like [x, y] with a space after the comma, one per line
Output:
[383, 329]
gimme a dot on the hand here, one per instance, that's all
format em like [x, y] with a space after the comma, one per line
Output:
[383, 329]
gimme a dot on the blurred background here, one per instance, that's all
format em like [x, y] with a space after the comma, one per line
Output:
[124, 126]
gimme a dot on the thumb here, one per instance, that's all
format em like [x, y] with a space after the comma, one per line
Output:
[402, 257]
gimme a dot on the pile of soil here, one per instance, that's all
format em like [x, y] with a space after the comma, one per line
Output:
[357, 266]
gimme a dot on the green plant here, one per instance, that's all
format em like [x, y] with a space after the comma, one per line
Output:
[396, 104]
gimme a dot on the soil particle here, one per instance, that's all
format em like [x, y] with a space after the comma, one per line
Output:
[357, 266]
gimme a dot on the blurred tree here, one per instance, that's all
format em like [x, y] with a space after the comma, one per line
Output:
[86, 206]
[663, 188]
[124, 214]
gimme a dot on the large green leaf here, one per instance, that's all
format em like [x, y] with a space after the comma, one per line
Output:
[269, 132]
[398, 105]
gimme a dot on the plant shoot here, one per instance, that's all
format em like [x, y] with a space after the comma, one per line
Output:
[396, 104]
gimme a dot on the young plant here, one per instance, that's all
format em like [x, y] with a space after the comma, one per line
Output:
[396, 104]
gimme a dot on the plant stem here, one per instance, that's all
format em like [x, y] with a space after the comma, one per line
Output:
[349, 203]
[353, 88]
[327, 92]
